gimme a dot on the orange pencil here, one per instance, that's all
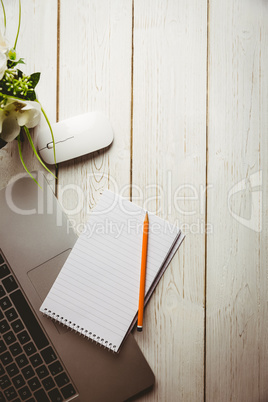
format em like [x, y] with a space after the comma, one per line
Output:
[143, 271]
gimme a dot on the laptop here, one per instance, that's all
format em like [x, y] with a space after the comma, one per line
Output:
[40, 360]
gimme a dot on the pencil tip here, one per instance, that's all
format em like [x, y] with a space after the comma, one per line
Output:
[139, 329]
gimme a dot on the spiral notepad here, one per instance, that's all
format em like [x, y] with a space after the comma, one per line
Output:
[97, 290]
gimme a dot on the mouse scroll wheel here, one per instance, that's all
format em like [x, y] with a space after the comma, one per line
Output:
[50, 145]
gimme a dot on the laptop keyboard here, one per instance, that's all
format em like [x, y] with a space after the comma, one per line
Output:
[30, 369]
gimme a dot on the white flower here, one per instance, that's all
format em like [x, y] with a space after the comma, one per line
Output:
[3, 64]
[18, 113]
[4, 46]
[3, 55]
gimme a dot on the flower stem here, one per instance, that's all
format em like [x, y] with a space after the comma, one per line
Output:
[28, 135]
[4, 12]
[18, 31]
[13, 97]
[22, 161]
[51, 131]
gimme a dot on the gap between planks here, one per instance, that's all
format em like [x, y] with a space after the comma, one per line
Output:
[206, 207]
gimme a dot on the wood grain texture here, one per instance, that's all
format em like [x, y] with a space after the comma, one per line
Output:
[96, 77]
[237, 270]
[145, 64]
[38, 46]
[169, 159]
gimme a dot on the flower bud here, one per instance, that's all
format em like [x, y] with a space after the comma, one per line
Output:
[12, 54]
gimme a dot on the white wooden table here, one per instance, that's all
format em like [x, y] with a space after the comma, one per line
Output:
[185, 85]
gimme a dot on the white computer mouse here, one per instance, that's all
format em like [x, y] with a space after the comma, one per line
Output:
[74, 137]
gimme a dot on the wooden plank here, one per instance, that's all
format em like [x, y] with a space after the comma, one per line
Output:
[169, 159]
[237, 269]
[37, 44]
[95, 74]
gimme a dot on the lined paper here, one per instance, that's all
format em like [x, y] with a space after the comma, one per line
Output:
[97, 290]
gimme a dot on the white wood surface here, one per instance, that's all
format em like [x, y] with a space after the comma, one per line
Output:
[168, 159]
[184, 83]
[237, 269]
[96, 76]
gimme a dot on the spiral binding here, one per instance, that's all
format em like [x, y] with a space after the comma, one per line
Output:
[81, 331]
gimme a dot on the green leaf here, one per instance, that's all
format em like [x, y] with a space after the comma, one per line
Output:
[12, 64]
[31, 95]
[19, 73]
[34, 78]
